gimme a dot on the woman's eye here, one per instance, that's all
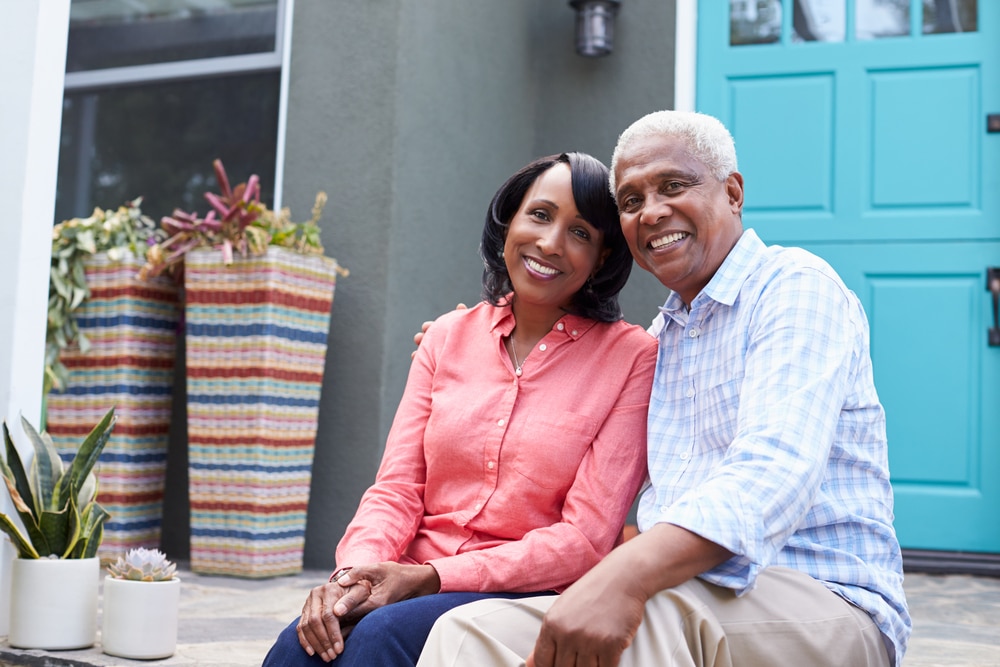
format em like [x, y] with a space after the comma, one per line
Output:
[582, 233]
[540, 214]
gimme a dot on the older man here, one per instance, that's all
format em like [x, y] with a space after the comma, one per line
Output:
[767, 533]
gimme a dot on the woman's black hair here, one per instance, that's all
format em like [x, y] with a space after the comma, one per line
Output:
[598, 299]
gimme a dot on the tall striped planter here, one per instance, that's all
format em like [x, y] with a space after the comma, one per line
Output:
[256, 336]
[132, 328]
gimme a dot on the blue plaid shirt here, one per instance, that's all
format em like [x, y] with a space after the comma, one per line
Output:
[766, 435]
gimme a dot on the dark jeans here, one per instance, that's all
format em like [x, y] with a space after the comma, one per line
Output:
[390, 636]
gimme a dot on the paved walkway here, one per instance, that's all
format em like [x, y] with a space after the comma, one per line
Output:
[232, 622]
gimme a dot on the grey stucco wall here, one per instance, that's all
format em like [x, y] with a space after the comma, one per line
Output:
[410, 115]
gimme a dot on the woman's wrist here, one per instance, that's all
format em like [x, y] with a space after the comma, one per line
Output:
[429, 580]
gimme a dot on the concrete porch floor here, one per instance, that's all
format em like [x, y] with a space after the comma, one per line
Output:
[232, 622]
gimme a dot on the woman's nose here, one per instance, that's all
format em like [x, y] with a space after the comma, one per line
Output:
[550, 240]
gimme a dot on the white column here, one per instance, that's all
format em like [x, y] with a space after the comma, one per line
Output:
[32, 66]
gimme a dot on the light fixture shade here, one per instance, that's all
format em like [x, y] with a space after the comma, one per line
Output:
[595, 26]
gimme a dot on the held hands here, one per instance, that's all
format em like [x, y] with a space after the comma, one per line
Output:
[333, 608]
[321, 630]
[419, 336]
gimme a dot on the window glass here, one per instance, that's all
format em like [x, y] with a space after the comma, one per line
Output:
[158, 141]
[875, 19]
[121, 33]
[818, 20]
[754, 21]
[950, 16]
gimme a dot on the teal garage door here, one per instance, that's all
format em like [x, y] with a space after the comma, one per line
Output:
[869, 132]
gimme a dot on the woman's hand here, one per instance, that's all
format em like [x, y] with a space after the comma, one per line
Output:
[320, 630]
[387, 582]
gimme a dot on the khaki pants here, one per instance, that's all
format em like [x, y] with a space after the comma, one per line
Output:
[790, 620]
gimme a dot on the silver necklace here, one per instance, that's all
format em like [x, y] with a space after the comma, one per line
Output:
[513, 352]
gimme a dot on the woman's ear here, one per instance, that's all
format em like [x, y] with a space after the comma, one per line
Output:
[600, 261]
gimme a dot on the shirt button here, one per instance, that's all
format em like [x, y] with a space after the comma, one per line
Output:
[542, 347]
[573, 332]
[560, 326]
[500, 422]
[693, 333]
[685, 456]
[479, 506]
[491, 465]
[689, 393]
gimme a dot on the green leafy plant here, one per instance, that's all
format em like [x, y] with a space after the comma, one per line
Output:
[115, 232]
[57, 503]
[141, 564]
[238, 223]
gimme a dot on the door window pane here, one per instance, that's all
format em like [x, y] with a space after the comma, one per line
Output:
[754, 21]
[875, 19]
[950, 16]
[120, 33]
[158, 141]
[818, 20]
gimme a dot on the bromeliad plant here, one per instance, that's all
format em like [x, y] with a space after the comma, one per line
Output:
[73, 241]
[237, 223]
[57, 503]
[141, 564]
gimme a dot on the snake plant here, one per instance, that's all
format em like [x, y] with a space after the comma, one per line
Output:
[57, 502]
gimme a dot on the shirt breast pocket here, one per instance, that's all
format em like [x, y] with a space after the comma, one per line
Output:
[718, 411]
[547, 450]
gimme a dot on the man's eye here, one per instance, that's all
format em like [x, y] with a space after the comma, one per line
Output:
[629, 203]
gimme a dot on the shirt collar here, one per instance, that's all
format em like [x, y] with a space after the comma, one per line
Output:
[725, 285]
[574, 326]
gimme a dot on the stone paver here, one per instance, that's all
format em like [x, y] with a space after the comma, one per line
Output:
[228, 622]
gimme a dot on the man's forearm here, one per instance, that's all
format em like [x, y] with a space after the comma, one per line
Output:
[662, 557]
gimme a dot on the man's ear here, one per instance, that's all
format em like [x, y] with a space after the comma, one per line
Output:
[734, 188]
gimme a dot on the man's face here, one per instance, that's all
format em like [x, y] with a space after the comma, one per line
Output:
[679, 220]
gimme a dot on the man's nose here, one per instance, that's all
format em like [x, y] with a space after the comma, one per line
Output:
[654, 209]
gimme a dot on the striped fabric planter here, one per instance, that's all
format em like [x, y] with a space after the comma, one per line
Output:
[132, 328]
[256, 334]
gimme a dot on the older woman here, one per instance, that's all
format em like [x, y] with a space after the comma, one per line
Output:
[519, 443]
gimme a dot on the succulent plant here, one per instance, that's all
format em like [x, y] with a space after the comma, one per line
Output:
[73, 241]
[57, 503]
[143, 564]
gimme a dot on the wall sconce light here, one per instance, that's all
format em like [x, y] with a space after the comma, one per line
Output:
[595, 26]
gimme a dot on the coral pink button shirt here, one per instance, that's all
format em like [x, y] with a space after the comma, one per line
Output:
[507, 483]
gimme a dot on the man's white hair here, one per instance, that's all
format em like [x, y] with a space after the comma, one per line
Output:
[706, 137]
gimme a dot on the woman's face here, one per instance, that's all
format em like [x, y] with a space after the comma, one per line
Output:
[550, 250]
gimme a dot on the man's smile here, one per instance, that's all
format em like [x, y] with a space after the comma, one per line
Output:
[669, 239]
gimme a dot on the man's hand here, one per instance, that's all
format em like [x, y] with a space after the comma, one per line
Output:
[419, 336]
[591, 623]
[387, 582]
[320, 630]
[596, 619]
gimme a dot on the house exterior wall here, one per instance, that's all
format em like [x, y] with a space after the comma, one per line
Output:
[410, 115]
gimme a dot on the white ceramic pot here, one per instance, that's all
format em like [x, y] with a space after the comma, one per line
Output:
[140, 618]
[53, 603]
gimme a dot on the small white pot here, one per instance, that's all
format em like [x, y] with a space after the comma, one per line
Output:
[53, 603]
[140, 618]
